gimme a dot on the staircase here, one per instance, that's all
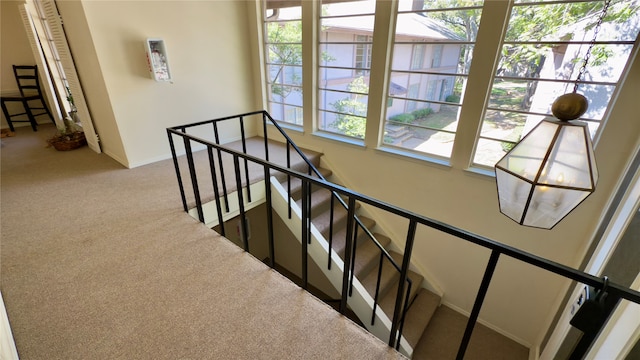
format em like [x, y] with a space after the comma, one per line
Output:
[422, 338]
[259, 172]
[374, 272]
[397, 134]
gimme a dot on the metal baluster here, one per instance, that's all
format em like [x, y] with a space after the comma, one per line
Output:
[224, 182]
[266, 138]
[482, 292]
[216, 191]
[177, 167]
[246, 163]
[243, 217]
[330, 231]
[406, 259]
[267, 184]
[404, 313]
[353, 257]
[194, 180]
[375, 297]
[306, 230]
[347, 260]
[289, 180]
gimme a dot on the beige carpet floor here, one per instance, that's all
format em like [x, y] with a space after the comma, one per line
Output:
[100, 262]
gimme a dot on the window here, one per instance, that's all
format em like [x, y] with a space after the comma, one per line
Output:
[418, 57]
[543, 52]
[531, 52]
[363, 54]
[346, 33]
[293, 115]
[283, 47]
[439, 28]
[436, 57]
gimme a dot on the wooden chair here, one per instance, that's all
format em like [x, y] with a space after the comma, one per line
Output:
[30, 97]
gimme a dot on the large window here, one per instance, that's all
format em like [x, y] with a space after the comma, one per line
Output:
[345, 43]
[283, 47]
[456, 81]
[443, 32]
[542, 54]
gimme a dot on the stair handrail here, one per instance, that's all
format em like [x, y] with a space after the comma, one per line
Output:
[312, 169]
[367, 232]
[614, 291]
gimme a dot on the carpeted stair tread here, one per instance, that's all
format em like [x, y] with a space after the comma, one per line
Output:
[322, 221]
[319, 199]
[387, 303]
[296, 184]
[419, 315]
[368, 254]
[339, 235]
[388, 276]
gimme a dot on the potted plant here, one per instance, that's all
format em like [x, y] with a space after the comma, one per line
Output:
[70, 136]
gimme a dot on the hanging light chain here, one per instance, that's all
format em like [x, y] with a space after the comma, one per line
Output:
[596, 29]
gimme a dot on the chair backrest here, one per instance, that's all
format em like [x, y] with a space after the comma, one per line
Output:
[27, 79]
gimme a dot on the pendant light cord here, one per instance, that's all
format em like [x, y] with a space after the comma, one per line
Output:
[583, 69]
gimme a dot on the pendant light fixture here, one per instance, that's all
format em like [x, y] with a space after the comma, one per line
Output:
[553, 168]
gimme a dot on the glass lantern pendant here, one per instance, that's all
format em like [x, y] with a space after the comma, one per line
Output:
[551, 170]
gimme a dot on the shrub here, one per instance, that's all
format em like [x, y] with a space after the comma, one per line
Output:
[507, 146]
[453, 98]
[421, 113]
[402, 118]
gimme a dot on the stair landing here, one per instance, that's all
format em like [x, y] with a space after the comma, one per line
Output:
[442, 338]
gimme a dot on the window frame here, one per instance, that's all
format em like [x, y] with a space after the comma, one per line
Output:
[479, 78]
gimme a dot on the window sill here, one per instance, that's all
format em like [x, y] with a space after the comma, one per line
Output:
[287, 126]
[485, 171]
[415, 156]
[340, 139]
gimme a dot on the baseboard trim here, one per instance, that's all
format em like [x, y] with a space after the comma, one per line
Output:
[492, 327]
[8, 349]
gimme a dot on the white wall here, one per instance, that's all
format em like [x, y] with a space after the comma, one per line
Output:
[208, 50]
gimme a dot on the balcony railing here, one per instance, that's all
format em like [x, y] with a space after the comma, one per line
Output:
[205, 136]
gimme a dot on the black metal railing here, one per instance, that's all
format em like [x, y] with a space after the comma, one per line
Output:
[348, 198]
[311, 170]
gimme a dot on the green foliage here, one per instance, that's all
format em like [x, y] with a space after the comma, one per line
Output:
[421, 113]
[453, 98]
[282, 38]
[352, 111]
[70, 97]
[507, 146]
[350, 125]
[463, 22]
[533, 22]
[403, 118]
[284, 50]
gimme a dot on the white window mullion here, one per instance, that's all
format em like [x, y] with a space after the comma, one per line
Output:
[310, 10]
[483, 66]
[380, 57]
